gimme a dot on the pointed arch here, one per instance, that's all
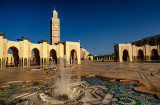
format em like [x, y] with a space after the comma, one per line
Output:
[73, 56]
[125, 55]
[35, 57]
[140, 55]
[14, 57]
[154, 55]
[53, 55]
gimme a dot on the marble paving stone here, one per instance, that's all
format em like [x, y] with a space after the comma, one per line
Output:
[105, 101]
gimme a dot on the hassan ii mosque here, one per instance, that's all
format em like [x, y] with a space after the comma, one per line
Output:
[43, 53]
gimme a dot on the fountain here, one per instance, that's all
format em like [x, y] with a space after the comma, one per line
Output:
[66, 90]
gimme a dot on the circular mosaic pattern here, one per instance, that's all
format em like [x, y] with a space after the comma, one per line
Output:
[128, 101]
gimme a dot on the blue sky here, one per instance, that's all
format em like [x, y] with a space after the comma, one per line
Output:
[96, 23]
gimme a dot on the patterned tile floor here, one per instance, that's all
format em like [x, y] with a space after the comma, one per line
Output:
[124, 92]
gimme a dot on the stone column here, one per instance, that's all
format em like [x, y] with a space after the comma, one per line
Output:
[41, 61]
[25, 51]
[20, 62]
[25, 62]
[3, 62]
[44, 61]
[44, 52]
[47, 60]
[149, 58]
[133, 58]
[146, 58]
[29, 59]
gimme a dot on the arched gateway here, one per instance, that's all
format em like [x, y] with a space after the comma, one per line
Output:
[35, 57]
[154, 55]
[140, 55]
[73, 57]
[125, 55]
[12, 58]
[53, 56]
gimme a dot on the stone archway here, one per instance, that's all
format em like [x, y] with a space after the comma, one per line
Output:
[53, 55]
[73, 57]
[140, 55]
[12, 57]
[35, 57]
[154, 55]
[125, 55]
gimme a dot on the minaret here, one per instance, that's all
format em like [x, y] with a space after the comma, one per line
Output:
[54, 28]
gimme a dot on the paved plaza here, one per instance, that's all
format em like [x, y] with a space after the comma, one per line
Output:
[147, 73]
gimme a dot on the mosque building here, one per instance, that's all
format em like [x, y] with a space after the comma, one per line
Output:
[146, 49]
[43, 53]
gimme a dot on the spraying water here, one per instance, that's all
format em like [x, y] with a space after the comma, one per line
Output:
[63, 84]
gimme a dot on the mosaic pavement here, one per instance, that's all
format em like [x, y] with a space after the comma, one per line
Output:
[124, 92]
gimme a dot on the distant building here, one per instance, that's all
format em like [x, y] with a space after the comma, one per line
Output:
[146, 49]
[85, 55]
[107, 57]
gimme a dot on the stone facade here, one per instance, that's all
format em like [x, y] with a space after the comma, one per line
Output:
[85, 54]
[147, 49]
[107, 57]
[90, 57]
[43, 52]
